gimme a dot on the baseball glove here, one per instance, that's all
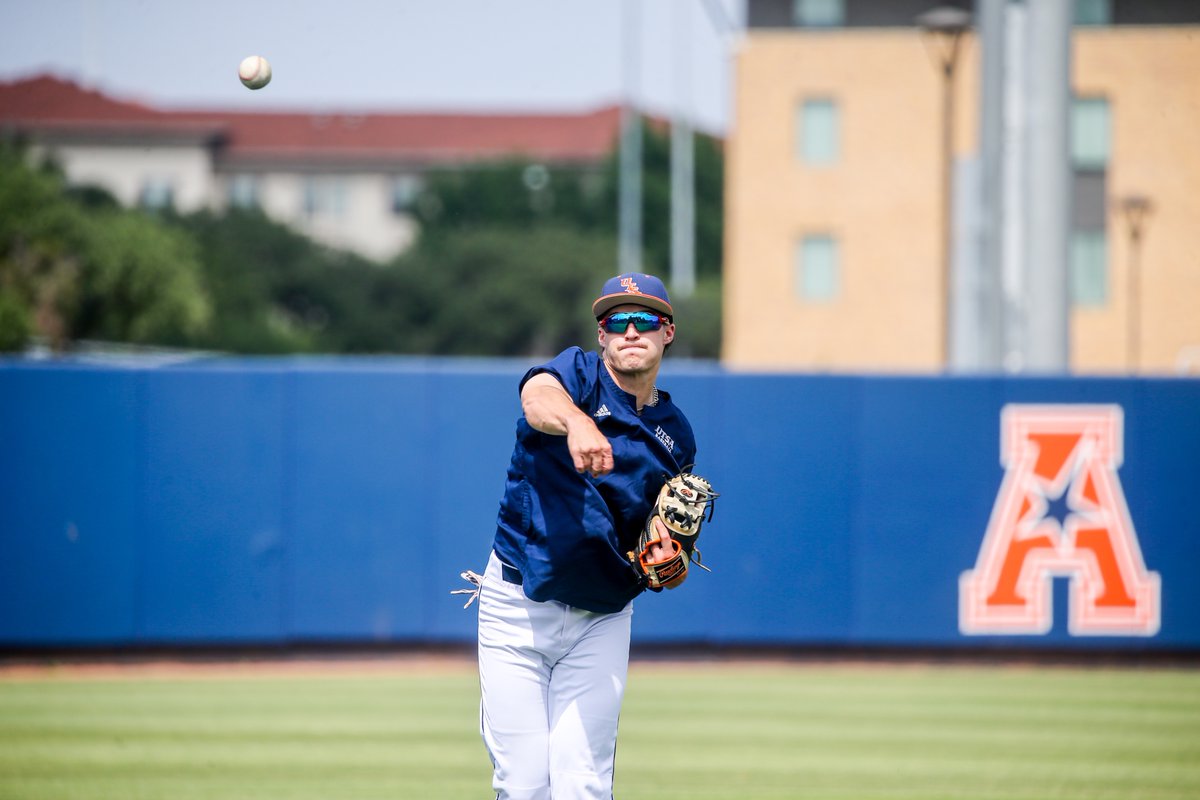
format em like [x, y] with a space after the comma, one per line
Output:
[681, 506]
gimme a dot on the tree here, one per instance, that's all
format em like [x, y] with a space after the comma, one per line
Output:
[516, 193]
[524, 194]
[708, 167]
[497, 291]
[67, 273]
[523, 197]
[276, 291]
[509, 256]
[139, 282]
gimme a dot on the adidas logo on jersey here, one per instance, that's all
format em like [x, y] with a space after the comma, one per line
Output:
[602, 411]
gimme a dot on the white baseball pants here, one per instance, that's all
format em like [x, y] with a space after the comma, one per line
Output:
[552, 678]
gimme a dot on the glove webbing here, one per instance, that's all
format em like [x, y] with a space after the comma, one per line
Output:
[685, 503]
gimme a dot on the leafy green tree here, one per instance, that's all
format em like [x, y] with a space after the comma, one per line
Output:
[497, 291]
[15, 322]
[698, 319]
[509, 256]
[140, 282]
[516, 193]
[522, 196]
[276, 291]
[708, 166]
[37, 262]
[70, 273]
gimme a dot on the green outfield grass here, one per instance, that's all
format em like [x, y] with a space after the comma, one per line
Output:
[741, 732]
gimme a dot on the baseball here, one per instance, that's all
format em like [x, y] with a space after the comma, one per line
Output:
[255, 72]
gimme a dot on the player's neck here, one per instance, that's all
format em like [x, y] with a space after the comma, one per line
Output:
[640, 384]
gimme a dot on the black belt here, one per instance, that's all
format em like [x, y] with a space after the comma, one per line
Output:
[510, 574]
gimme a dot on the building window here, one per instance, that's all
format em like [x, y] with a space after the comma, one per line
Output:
[405, 189]
[1091, 138]
[156, 194]
[243, 191]
[819, 13]
[1089, 268]
[818, 131]
[324, 196]
[1093, 12]
[816, 269]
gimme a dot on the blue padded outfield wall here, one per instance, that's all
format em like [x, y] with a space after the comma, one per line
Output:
[290, 501]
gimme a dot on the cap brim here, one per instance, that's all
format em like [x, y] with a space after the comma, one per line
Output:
[611, 301]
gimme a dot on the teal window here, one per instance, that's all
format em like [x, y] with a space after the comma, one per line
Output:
[818, 131]
[816, 269]
[1089, 268]
[324, 196]
[1091, 137]
[819, 13]
[1093, 12]
[243, 191]
[405, 190]
[156, 194]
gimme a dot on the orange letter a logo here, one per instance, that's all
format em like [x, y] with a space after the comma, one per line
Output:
[1060, 512]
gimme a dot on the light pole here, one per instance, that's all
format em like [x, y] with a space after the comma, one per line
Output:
[942, 30]
[1135, 208]
[629, 197]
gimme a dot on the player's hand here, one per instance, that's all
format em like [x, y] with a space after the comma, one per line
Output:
[590, 450]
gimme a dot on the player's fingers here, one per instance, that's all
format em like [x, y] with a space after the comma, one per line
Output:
[602, 460]
[661, 550]
[588, 447]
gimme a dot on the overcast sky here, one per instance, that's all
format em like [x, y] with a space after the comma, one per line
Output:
[490, 55]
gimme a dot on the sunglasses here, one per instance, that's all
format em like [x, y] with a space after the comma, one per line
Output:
[642, 320]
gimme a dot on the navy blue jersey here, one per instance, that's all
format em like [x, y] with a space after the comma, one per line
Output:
[569, 533]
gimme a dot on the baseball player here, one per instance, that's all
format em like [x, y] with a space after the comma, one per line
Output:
[592, 448]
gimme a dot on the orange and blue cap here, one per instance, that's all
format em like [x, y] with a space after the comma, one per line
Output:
[633, 287]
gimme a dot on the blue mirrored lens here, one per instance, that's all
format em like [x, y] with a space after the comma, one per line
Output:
[643, 321]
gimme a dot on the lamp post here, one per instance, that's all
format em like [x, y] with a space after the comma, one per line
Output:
[942, 28]
[1135, 208]
[629, 197]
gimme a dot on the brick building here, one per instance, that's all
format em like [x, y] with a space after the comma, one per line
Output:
[833, 198]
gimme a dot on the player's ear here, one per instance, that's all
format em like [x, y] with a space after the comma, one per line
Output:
[600, 334]
[669, 334]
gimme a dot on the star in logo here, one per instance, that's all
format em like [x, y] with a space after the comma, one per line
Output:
[1058, 509]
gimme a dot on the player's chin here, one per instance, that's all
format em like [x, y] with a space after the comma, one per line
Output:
[634, 361]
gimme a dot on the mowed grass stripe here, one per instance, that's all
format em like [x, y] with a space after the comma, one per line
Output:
[936, 732]
[687, 731]
[408, 736]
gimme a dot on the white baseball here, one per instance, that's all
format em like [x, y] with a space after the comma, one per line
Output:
[255, 72]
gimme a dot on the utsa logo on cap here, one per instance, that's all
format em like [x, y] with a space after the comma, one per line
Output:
[633, 288]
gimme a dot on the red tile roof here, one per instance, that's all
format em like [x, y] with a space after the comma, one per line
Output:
[47, 98]
[47, 103]
[420, 137]
[50, 103]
